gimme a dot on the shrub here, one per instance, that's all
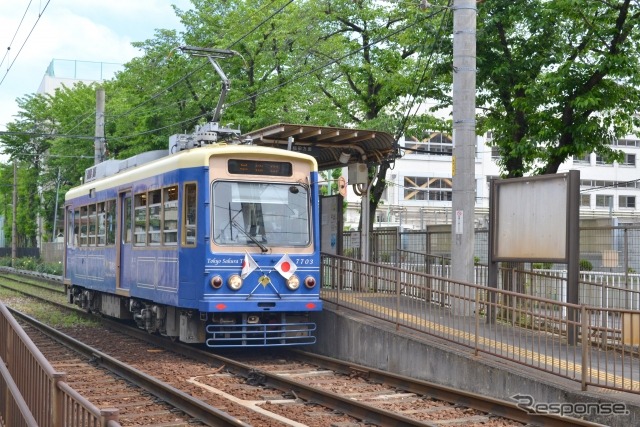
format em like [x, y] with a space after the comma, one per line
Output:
[33, 264]
[53, 269]
[585, 265]
[26, 263]
[542, 265]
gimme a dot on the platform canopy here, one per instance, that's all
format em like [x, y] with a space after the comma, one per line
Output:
[332, 147]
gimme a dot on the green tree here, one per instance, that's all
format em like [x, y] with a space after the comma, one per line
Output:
[334, 63]
[27, 146]
[373, 73]
[557, 79]
[330, 176]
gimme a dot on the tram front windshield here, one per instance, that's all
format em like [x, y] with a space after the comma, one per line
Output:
[261, 214]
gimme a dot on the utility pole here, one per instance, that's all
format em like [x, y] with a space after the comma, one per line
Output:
[54, 235]
[463, 160]
[14, 223]
[98, 144]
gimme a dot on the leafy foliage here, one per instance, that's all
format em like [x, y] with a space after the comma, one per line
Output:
[555, 79]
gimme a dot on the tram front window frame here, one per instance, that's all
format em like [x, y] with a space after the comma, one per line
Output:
[268, 213]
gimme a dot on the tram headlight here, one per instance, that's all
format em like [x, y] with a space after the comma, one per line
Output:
[293, 283]
[216, 282]
[234, 282]
[310, 282]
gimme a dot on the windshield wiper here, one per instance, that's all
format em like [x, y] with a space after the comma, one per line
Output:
[262, 247]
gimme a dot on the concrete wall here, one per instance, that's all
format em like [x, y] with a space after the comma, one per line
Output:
[349, 337]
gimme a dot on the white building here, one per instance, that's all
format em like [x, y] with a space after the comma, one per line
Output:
[420, 185]
[63, 72]
[66, 72]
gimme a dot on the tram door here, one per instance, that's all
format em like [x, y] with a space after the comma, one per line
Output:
[123, 267]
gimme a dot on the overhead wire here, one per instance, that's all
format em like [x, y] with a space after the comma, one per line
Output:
[183, 78]
[284, 83]
[83, 117]
[262, 92]
[45, 135]
[25, 42]
[158, 94]
[621, 184]
[405, 120]
[15, 34]
[289, 81]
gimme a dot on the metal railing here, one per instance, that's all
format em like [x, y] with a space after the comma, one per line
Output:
[615, 249]
[528, 329]
[33, 392]
[14, 410]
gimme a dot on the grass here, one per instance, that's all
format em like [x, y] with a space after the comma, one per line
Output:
[50, 295]
[43, 312]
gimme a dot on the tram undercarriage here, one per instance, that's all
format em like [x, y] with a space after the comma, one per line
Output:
[193, 327]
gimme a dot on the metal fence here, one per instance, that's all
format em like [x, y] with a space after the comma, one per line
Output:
[52, 252]
[20, 252]
[520, 326]
[614, 249]
[32, 393]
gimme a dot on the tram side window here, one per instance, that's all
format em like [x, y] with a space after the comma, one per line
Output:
[140, 220]
[102, 224]
[92, 225]
[76, 226]
[189, 218]
[110, 223]
[170, 215]
[71, 233]
[84, 239]
[155, 209]
[126, 230]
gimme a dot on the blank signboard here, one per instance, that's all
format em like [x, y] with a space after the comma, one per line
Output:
[531, 218]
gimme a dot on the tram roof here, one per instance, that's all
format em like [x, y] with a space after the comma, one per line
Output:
[327, 144]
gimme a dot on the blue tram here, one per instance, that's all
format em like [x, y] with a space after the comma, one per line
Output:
[207, 242]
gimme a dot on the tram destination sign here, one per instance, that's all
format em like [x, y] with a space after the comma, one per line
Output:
[252, 167]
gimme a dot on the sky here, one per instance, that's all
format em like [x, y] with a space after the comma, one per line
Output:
[80, 30]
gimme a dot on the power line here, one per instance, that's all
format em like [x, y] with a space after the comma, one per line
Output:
[313, 70]
[267, 90]
[155, 96]
[63, 156]
[622, 184]
[45, 135]
[147, 132]
[183, 78]
[15, 34]
[405, 120]
[260, 24]
[25, 41]
[84, 118]
[320, 67]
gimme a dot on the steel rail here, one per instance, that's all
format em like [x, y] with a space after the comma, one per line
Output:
[174, 397]
[476, 401]
[257, 377]
[359, 410]
[54, 287]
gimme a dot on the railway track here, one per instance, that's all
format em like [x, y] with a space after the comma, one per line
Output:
[275, 388]
[136, 407]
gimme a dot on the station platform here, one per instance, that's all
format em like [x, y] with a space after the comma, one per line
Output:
[519, 365]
